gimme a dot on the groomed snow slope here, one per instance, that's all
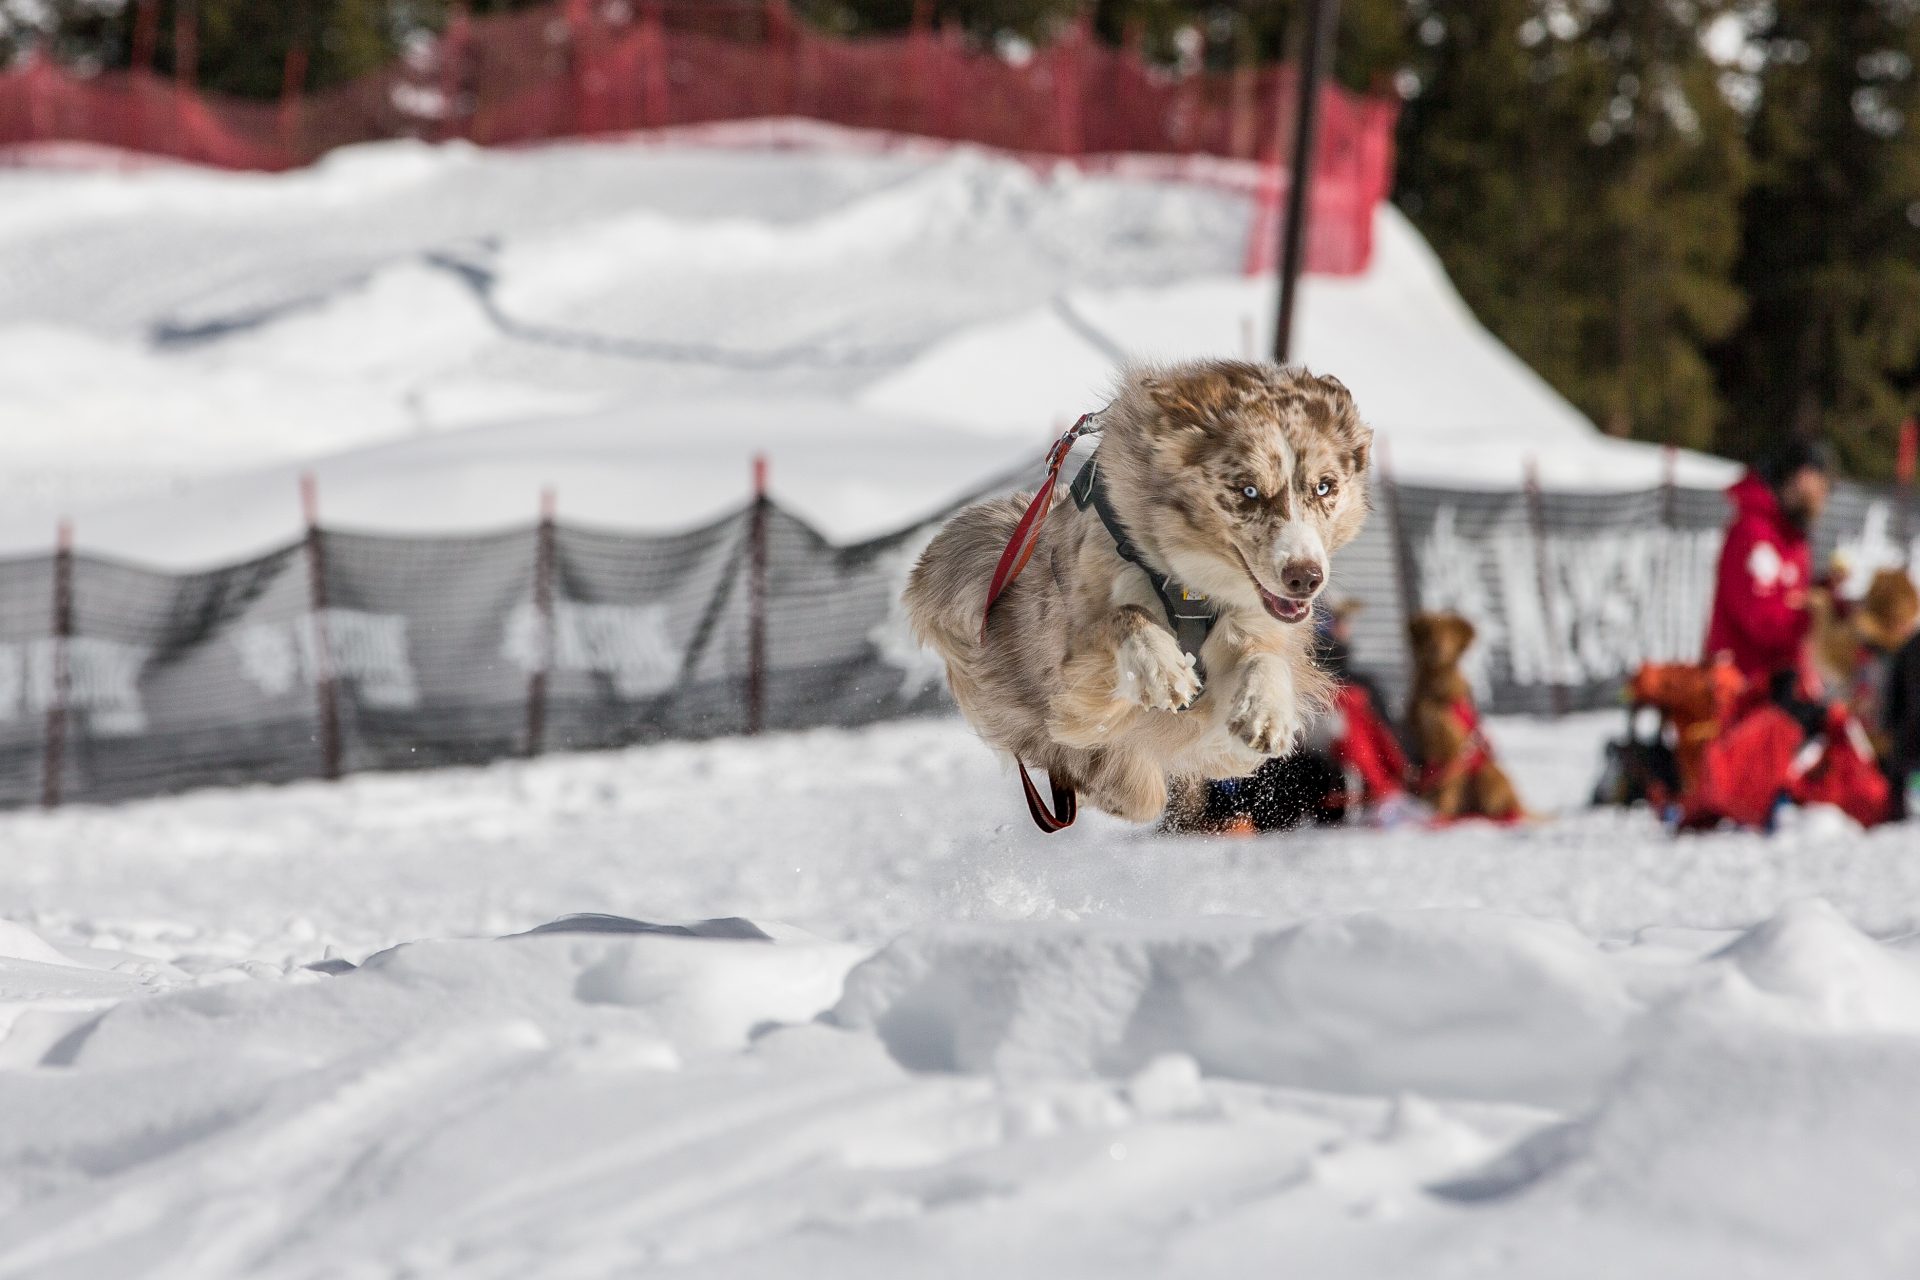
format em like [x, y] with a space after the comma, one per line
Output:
[176, 344]
[1576, 1049]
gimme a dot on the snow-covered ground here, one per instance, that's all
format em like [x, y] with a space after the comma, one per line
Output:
[1580, 1048]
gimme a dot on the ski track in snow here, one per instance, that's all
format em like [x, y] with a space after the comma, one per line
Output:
[1579, 1048]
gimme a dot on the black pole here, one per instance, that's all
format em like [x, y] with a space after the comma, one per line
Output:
[56, 746]
[1323, 17]
[757, 600]
[325, 688]
[543, 540]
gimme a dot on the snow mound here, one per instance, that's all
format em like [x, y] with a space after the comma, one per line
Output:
[17, 942]
[1809, 958]
[678, 995]
[1722, 1151]
[1452, 1004]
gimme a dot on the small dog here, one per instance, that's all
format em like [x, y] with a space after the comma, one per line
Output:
[1845, 637]
[1219, 489]
[1852, 644]
[1458, 775]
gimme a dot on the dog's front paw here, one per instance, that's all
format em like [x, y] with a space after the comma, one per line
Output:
[1266, 717]
[1155, 672]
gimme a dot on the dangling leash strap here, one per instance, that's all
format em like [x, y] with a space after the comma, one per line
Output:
[1066, 804]
[1026, 534]
[1189, 615]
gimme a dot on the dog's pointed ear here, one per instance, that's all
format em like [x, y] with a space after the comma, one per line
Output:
[1194, 396]
[1360, 452]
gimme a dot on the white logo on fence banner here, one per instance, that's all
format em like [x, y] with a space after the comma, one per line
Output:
[628, 643]
[369, 649]
[103, 680]
[1873, 549]
[1614, 599]
[893, 638]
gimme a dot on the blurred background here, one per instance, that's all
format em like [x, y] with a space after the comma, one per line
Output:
[1697, 221]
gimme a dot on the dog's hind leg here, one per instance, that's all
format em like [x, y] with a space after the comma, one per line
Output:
[946, 594]
[1126, 785]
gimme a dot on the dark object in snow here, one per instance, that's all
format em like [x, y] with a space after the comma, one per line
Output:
[332, 965]
[596, 922]
[1901, 720]
[1638, 770]
[1303, 786]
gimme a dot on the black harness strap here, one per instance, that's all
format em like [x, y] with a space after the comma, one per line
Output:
[1189, 616]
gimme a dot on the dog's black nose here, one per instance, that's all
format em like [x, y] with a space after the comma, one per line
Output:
[1302, 577]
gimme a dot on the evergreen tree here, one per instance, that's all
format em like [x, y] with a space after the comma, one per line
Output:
[1831, 259]
[1579, 173]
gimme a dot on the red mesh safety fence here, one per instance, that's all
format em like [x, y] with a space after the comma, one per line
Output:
[575, 70]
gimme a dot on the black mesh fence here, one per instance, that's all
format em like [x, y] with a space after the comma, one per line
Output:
[350, 651]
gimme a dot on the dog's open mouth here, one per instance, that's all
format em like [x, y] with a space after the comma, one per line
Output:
[1282, 608]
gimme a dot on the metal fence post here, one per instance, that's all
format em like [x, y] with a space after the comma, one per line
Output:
[654, 105]
[1549, 616]
[1669, 563]
[146, 35]
[1903, 469]
[293, 81]
[453, 66]
[757, 600]
[325, 689]
[543, 620]
[1069, 62]
[186, 43]
[61, 679]
[1323, 17]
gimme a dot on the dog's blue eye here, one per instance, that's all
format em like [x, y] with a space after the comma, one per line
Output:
[1322, 489]
[1251, 491]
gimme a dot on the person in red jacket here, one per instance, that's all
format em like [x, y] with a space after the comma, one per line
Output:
[1760, 614]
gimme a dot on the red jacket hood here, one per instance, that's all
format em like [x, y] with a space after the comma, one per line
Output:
[1754, 499]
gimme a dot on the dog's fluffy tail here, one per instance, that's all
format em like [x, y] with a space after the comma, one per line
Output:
[946, 594]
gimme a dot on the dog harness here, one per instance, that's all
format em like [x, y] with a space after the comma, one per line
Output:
[1475, 752]
[1188, 615]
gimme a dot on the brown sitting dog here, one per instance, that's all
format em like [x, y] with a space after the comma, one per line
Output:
[1458, 775]
[1218, 493]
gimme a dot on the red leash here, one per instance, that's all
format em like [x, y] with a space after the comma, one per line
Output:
[1066, 803]
[1026, 534]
